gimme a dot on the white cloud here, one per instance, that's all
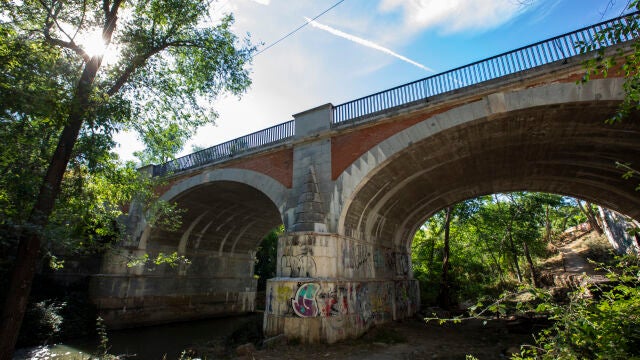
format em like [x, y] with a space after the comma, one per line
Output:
[262, 2]
[454, 15]
[365, 42]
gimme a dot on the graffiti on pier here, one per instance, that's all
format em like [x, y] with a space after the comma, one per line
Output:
[334, 301]
[304, 303]
[363, 305]
[355, 256]
[403, 263]
[297, 258]
[278, 299]
[350, 304]
[389, 261]
[382, 300]
[406, 298]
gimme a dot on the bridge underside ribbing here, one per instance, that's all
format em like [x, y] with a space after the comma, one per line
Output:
[565, 149]
[221, 216]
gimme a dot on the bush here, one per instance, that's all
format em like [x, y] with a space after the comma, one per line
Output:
[600, 321]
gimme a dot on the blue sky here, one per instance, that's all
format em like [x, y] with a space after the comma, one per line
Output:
[346, 54]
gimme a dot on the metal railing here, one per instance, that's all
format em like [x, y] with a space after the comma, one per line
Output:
[270, 136]
[541, 53]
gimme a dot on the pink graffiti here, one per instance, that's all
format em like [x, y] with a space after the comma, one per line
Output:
[304, 303]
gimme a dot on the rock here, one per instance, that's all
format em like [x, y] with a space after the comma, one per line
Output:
[246, 349]
[513, 350]
[274, 341]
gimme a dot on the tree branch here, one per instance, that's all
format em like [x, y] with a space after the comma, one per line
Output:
[66, 44]
[129, 70]
[111, 18]
[105, 8]
[49, 21]
[140, 60]
[84, 13]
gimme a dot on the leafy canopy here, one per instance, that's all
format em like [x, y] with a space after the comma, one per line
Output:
[166, 63]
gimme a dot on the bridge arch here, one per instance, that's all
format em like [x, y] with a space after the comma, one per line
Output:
[247, 203]
[550, 138]
[227, 213]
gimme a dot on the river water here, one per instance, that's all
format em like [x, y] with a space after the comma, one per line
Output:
[153, 342]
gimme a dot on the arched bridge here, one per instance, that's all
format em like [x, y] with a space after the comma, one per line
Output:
[352, 183]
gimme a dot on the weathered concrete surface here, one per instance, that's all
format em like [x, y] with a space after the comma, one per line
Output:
[331, 287]
[318, 310]
[617, 230]
[352, 196]
[212, 284]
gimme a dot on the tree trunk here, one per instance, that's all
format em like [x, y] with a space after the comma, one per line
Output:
[28, 255]
[547, 225]
[565, 220]
[515, 257]
[432, 252]
[495, 261]
[595, 218]
[444, 297]
[532, 268]
[588, 212]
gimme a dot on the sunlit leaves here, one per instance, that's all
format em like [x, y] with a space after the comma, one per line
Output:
[625, 63]
[482, 233]
[600, 326]
[174, 60]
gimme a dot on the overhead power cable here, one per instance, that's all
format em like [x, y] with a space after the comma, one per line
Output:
[298, 28]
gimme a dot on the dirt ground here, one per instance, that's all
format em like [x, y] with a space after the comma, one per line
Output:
[415, 339]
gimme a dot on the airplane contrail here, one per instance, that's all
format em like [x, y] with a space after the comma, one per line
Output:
[367, 43]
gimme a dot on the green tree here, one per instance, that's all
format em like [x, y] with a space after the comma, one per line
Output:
[490, 237]
[172, 61]
[267, 258]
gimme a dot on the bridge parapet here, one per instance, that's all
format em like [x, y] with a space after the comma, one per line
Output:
[556, 49]
[259, 140]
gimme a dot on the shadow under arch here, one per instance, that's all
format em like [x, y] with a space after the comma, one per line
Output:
[244, 203]
[226, 215]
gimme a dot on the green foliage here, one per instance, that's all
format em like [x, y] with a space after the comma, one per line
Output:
[600, 321]
[44, 320]
[56, 313]
[487, 240]
[103, 340]
[266, 258]
[626, 63]
[173, 59]
[629, 172]
[164, 215]
[102, 351]
[62, 188]
[172, 260]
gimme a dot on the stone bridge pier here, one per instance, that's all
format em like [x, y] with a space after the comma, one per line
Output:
[330, 286]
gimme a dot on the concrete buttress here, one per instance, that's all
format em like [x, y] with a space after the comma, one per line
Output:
[329, 286]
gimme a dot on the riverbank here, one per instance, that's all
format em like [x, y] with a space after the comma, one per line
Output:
[416, 339]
